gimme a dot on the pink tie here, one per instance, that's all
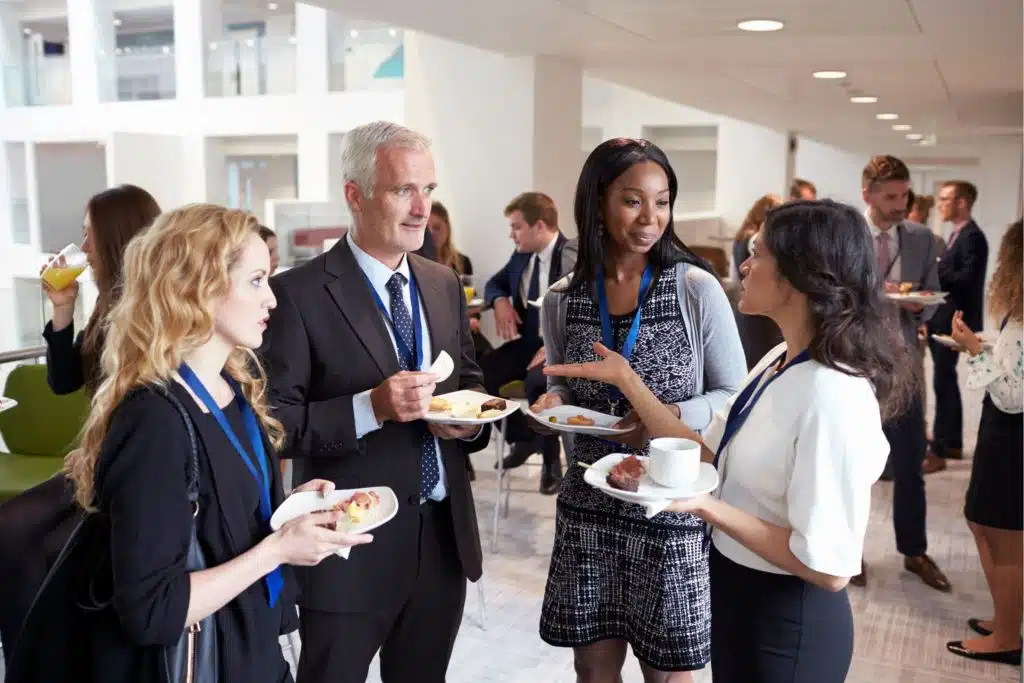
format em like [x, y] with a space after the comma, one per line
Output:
[882, 253]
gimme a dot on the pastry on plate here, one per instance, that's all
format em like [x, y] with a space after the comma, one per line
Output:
[580, 421]
[493, 404]
[358, 505]
[489, 413]
[906, 287]
[439, 405]
[626, 475]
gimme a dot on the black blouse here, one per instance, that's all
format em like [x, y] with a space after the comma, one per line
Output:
[141, 484]
[64, 371]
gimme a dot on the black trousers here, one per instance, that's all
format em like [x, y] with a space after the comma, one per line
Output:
[907, 447]
[775, 628]
[505, 364]
[415, 638]
[948, 428]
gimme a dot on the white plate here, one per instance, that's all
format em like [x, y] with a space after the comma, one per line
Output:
[948, 342]
[475, 303]
[442, 367]
[7, 403]
[649, 492]
[602, 422]
[304, 502]
[465, 406]
[930, 299]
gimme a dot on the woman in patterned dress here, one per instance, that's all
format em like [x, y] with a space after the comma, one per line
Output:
[617, 577]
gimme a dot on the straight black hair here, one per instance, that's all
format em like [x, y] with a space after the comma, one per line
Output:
[607, 162]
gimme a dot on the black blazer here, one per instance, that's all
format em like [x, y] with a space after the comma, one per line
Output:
[327, 342]
[962, 273]
[505, 283]
[64, 369]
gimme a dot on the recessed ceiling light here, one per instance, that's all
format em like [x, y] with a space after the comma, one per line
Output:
[914, 136]
[902, 126]
[271, 6]
[354, 33]
[117, 22]
[887, 117]
[863, 99]
[27, 31]
[760, 25]
[830, 75]
[166, 49]
[392, 32]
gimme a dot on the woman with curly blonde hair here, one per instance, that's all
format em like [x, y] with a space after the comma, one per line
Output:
[194, 304]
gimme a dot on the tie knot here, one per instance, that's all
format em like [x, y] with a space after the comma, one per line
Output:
[395, 283]
[883, 237]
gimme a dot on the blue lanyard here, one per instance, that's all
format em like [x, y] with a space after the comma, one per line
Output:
[745, 403]
[274, 580]
[413, 359]
[607, 333]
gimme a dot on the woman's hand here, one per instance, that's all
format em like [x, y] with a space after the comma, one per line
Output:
[544, 402]
[63, 300]
[964, 337]
[694, 506]
[611, 369]
[306, 540]
[322, 486]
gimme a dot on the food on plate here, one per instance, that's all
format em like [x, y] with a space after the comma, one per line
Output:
[358, 505]
[493, 404]
[626, 475]
[580, 421]
[439, 405]
[906, 287]
[489, 413]
[553, 420]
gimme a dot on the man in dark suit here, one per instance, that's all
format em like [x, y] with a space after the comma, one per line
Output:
[961, 274]
[346, 351]
[905, 253]
[541, 258]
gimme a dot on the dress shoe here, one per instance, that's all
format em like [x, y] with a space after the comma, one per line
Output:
[1001, 657]
[925, 567]
[978, 627]
[950, 453]
[521, 452]
[861, 579]
[932, 463]
[551, 479]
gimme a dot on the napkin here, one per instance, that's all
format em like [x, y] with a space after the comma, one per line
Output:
[654, 507]
[343, 553]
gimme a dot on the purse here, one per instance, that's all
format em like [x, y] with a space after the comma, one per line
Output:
[75, 599]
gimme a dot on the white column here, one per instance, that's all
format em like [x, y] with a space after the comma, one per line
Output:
[311, 50]
[91, 43]
[12, 83]
[32, 196]
[198, 27]
[314, 161]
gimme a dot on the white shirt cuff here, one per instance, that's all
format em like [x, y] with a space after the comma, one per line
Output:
[470, 439]
[365, 419]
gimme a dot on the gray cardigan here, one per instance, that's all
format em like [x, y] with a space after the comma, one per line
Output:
[718, 360]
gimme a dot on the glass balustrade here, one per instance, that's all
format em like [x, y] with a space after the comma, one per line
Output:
[366, 59]
[145, 73]
[20, 231]
[251, 66]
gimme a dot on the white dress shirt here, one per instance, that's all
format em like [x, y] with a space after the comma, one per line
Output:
[805, 459]
[378, 275]
[542, 257]
[894, 247]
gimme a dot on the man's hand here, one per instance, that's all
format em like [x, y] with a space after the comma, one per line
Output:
[506, 320]
[454, 431]
[912, 307]
[538, 359]
[403, 397]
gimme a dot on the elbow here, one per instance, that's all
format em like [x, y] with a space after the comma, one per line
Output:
[833, 584]
[157, 619]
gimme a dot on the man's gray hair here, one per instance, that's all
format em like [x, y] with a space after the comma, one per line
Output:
[360, 145]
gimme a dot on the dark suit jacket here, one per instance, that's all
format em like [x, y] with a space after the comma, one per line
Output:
[507, 280]
[962, 274]
[918, 257]
[327, 342]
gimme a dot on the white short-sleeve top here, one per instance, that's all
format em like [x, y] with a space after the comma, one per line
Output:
[806, 459]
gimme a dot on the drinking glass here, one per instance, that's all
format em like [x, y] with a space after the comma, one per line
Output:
[65, 267]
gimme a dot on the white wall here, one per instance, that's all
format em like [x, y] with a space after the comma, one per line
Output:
[68, 175]
[835, 172]
[263, 178]
[160, 168]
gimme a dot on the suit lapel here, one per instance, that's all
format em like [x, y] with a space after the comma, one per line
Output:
[435, 304]
[555, 268]
[352, 295]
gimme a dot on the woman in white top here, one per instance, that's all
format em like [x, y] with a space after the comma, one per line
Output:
[797, 449]
[995, 501]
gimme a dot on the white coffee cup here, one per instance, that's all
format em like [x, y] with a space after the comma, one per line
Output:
[674, 463]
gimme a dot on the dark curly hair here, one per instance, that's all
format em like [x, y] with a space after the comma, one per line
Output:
[607, 162]
[824, 250]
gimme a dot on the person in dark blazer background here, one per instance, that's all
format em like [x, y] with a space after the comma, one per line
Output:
[540, 260]
[962, 274]
[346, 366]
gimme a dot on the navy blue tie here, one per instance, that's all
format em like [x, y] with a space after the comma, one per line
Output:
[402, 321]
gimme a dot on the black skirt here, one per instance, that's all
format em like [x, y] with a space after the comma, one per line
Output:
[994, 497]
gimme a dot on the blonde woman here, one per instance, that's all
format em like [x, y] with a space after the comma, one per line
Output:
[195, 301]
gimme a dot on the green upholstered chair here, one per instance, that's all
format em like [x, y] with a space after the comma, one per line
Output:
[38, 432]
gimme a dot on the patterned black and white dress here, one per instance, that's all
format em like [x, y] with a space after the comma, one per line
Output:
[614, 573]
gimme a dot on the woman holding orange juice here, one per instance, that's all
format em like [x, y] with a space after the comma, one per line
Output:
[112, 218]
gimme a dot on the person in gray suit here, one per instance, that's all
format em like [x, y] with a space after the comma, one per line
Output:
[906, 255]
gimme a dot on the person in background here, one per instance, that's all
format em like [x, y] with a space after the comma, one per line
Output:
[919, 209]
[961, 274]
[268, 237]
[758, 333]
[802, 189]
[539, 261]
[194, 303]
[795, 469]
[995, 501]
[620, 579]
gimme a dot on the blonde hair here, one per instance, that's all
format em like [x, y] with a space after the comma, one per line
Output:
[755, 217]
[172, 274]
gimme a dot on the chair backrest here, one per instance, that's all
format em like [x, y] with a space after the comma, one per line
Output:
[42, 424]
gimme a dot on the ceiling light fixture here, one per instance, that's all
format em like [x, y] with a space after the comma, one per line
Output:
[392, 32]
[914, 136]
[902, 126]
[27, 31]
[863, 99]
[830, 75]
[760, 25]
[271, 6]
[117, 22]
[354, 33]
[887, 117]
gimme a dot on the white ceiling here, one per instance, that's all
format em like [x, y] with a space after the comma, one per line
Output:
[948, 67]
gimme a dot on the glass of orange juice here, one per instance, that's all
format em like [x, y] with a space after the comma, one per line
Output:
[467, 287]
[65, 267]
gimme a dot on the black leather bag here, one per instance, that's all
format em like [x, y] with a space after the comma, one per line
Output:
[71, 633]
